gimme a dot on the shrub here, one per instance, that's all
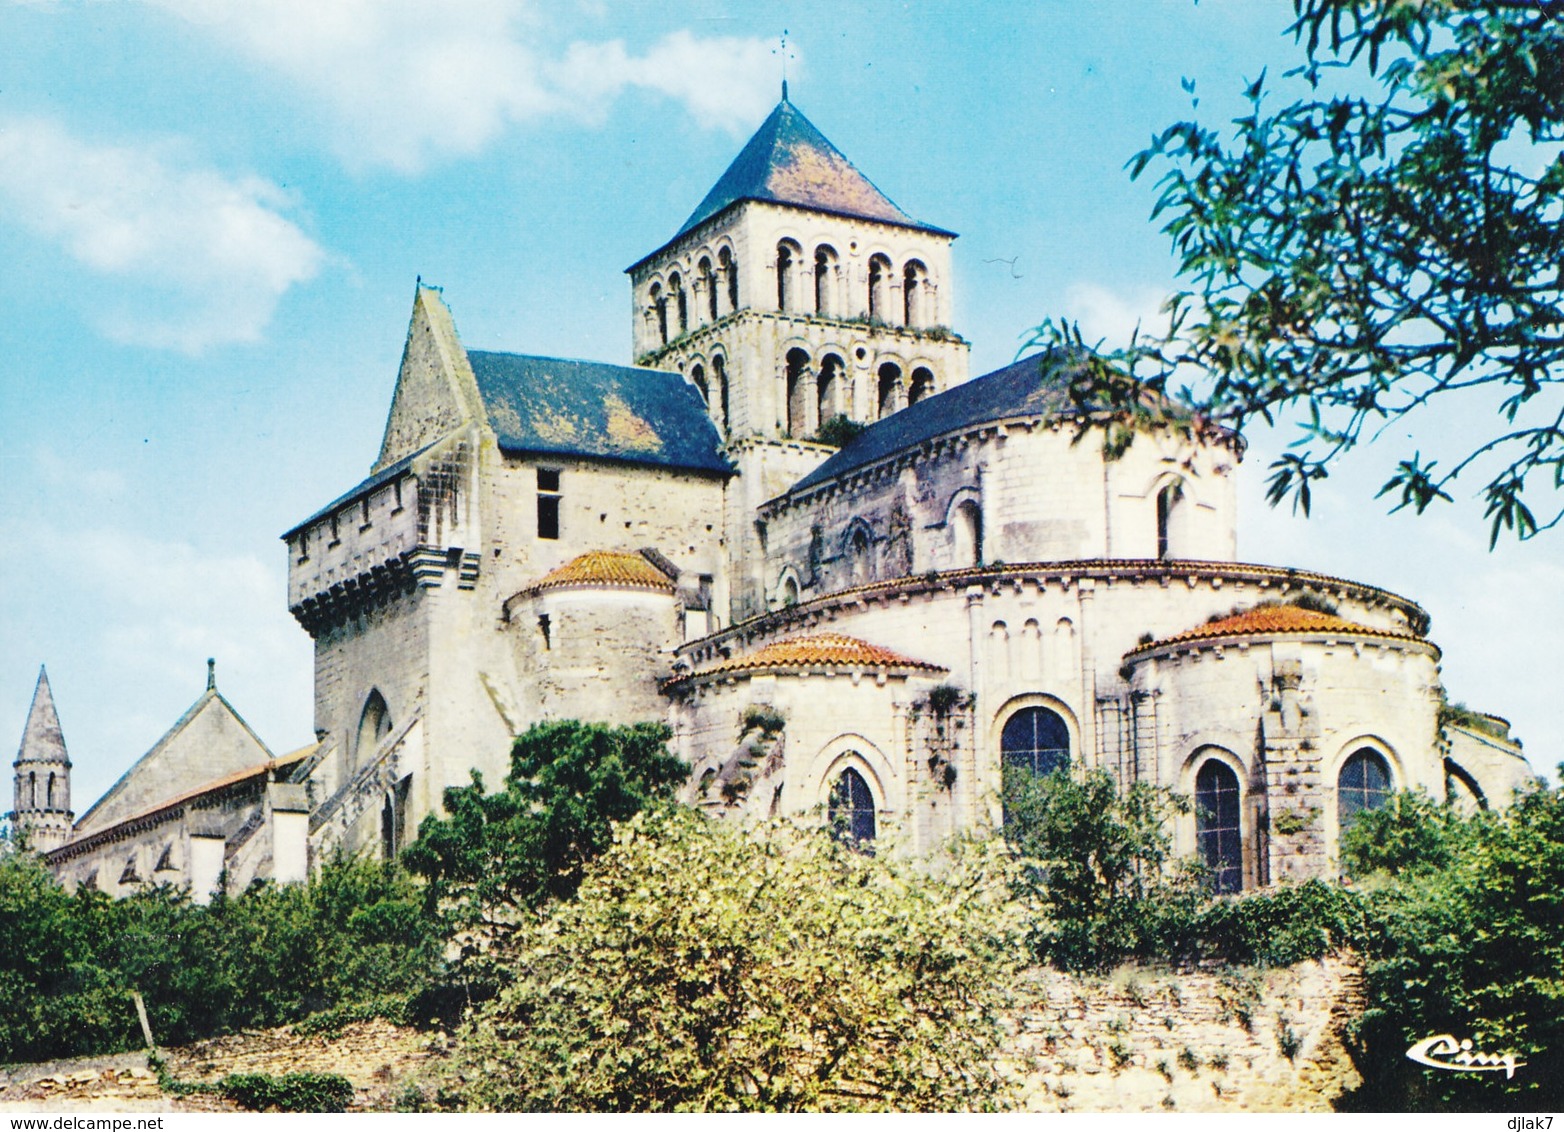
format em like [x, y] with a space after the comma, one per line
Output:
[703, 967]
[291, 1092]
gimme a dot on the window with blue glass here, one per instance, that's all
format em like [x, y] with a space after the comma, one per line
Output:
[1217, 832]
[850, 809]
[1364, 784]
[1035, 739]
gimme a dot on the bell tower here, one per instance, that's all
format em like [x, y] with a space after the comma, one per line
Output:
[41, 800]
[797, 292]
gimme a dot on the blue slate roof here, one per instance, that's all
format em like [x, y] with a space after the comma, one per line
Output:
[597, 410]
[789, 161]
[384, 476]
[1034, 386]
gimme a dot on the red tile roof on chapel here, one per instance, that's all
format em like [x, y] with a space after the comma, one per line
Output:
[824, 650]
[624, 568]
[1268, 620]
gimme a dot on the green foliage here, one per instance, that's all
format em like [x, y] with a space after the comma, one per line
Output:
[68, 964]
[1102, 862]
[290, 1092]
[1410, 833]
[1276, 928]
[495, 856]
[1381, 228]
[838, 431]
[1459, 715]
[703, 966]
[763, 718]
[1474, 949]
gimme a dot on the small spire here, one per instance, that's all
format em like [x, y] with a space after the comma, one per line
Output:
[211, 674]
[784, 90]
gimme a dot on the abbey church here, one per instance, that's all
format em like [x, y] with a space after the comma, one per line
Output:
[867, 625]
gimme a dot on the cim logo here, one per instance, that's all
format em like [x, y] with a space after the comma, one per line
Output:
[1442, 1051]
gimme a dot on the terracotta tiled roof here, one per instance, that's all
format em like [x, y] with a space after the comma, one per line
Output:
[624, 568]
[824, 650]
[1267, 620]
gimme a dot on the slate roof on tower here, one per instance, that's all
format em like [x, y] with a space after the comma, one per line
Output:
[1034, 386]
[789, 161]
[42, 739]
[628, 413]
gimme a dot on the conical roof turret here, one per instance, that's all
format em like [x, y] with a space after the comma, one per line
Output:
[42, 739]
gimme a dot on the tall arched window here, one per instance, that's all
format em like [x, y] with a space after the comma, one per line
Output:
[719, 373]
[830, 388]
[1035, 739]
[708, 279]
[879, 287]
[730, 276]
[660, 311]
[1364, 784]
[922, 385]
[1167, 501]
[49, 797]
[676, 285]
[850, 809]
[890, 383]
[698, 376]
[825, 279]
[374, 724]
[788, 255]
[32, 790]
[914, 284]
[1217, 833]
[797, 392]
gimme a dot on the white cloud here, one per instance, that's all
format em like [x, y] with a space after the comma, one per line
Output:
[1110, 317]
[405, 82]
[212, 254]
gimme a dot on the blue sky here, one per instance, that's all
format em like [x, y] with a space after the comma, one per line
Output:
[212, 216]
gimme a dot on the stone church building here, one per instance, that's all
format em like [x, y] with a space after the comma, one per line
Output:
[869, 631]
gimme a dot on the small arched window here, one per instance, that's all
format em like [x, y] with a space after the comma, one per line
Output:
[698, 378]
[708, 279]
[889, 387]
[730, 276]
[850, 809]
[790, 592]
[1364, 784]
[32, 790]
[1035, 739]
[788, 255]
[922, 385]
[1217, 831]
[879, 287]
[914, 285]
[825, 279]
[797, 392]
[860, 564]
[49, 797]
[374, 724]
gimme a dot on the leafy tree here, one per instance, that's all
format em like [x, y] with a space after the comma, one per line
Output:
[703, 966]
[496, 855]
[1475, 950]
[1101, 856]
[1410, 833]
[1388, 237]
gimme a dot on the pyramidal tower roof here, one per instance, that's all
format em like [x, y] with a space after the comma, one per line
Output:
[42, 739]
[788, 161]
